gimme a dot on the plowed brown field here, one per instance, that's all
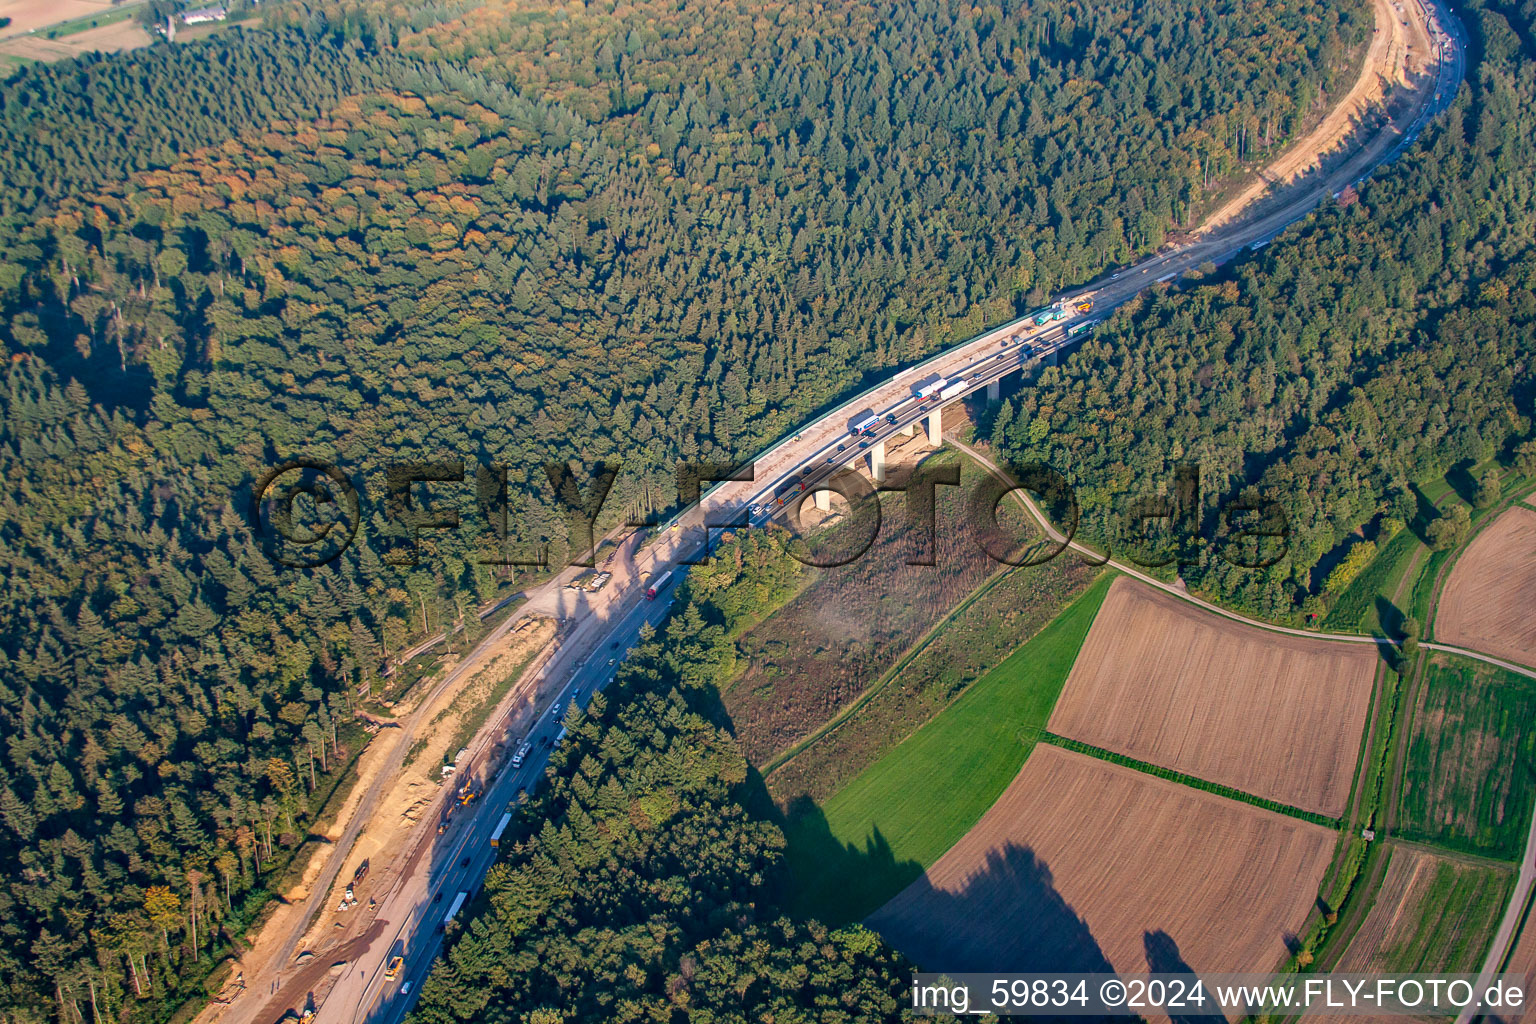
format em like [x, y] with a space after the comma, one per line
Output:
[1083, 865]
[1276, 716]
[1488, 601]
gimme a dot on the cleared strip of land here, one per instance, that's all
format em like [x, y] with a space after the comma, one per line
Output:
[1087, 866]
[1489, 603]
[900, 814]
[1276, 716]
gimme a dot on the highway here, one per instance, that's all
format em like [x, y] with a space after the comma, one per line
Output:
[601, 627]
[463, 855]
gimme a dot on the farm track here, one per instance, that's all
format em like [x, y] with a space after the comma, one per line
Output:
[1525, 884]
[1184, 595]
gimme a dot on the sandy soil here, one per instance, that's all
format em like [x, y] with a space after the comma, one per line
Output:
[1083, 865]
[384, 836]
[1489, 599]
[1397, 57]
[418, 783]
[1276, 716]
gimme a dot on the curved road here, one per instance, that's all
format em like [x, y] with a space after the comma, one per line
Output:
[600, 626]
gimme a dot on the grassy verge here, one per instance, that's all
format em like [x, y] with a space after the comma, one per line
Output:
[1360, 607]
[1350, 887]
[901, 814]
[90, 21]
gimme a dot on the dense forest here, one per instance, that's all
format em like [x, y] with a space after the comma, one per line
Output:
[498, 235]
[637, 887]
[1382, 341]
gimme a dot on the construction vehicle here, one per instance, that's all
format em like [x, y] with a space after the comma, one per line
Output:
[1084, 306]
[1045, 316]
[393, 971]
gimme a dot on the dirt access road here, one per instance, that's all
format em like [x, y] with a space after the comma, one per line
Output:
[1401, 57]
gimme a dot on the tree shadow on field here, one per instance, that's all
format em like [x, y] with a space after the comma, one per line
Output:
[1008, 917]
[1163, 957]
[1461, 480]
[834, 881]
[1390, 616]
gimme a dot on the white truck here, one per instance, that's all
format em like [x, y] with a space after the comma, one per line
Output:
[453, 911]
[501, 826]
[923, 392]
[953, 389]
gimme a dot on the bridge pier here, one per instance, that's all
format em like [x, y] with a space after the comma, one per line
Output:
[824, 500]
[995, 391]
[910, 428]
[877, 462]
[936, 427]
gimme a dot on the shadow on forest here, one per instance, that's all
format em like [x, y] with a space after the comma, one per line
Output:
[1462, 482]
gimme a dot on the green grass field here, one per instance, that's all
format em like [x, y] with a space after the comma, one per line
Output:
[1456, 920]
[903, 812]
[90, 21]
[1361, 605]
[1472, 750]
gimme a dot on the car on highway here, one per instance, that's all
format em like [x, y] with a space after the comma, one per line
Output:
[863, 444]
[405, 989]
[890, 418]
[464, 863]
[831, 459]
[437, 897]
[755, 510]
[554, 709]
[841, 447]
